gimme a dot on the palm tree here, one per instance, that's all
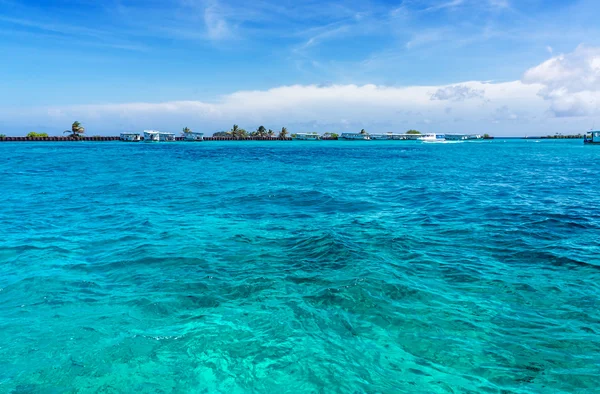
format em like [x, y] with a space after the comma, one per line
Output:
[270, 133]
[186, 130]
[261, 131]
[236, 132]
[363, 131]
[76, 130]
[283, 133]
[233, 131]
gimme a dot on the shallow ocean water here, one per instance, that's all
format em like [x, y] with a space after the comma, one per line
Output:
[300, 267]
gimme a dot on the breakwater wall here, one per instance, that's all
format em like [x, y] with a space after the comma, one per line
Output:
[112, 138]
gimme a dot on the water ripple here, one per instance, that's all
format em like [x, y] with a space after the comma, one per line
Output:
[294, 267]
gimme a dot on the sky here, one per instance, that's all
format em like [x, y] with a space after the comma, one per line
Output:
[502, 67]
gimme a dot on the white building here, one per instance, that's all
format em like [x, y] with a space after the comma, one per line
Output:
[130, 137]
[354, 136]
[156, 136]
[307, 136]
[193, 136]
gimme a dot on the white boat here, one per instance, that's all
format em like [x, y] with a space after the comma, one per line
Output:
[156, 136]
[592, 137]
[130, 137]
[354, 136]
[307, 136]
[433, 138]
[193, 136]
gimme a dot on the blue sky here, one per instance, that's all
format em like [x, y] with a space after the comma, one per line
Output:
[128, 64]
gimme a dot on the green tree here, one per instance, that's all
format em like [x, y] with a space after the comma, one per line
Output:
[33, 134]
[270, 133]
[363, 131]
[186, 130]
[413, 132]
[261, 131]
[334, 136]
[236, 132]
[76, 130]
[486, 136]
[283, 133]
[2, 136]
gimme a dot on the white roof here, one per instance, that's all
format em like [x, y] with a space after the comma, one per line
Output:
[157, 132]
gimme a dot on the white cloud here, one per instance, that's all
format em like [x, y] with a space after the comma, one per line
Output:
[504, 114]
[457, 93]
[570, 82]
[216, 26]
[425, 37]
[336, 106]
[445, 5]
[565, 85]
[499, 3]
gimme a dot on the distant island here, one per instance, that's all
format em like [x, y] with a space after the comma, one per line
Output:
[77, 133]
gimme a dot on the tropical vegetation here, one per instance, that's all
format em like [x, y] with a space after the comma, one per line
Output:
[76, 130]
[33, 134]
[363, 131]
[283, 133]
[236, 132]
[330, 136]
[239, 133]
[411, 131]
[186, 130]
[260, 132]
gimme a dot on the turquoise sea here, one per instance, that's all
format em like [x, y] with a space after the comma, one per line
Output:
[300, 267]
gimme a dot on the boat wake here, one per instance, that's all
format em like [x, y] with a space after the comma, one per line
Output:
[442, 142]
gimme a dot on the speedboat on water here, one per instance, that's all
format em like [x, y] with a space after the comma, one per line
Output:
[433, 138]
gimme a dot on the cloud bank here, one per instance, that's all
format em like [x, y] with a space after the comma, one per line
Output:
[560, 95]
[571, 82]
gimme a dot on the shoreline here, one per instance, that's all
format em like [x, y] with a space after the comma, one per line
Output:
[117, 138]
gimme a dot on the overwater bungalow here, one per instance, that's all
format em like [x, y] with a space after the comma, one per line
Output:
[156, 136]
[354, 136]
[193, 136]
[130, 137]
[393, 136]
[306, 136]
[386, 136]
